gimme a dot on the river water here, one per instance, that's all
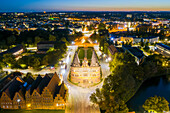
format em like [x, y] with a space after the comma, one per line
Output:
[159, 86]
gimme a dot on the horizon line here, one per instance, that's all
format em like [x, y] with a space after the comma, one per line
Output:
[84, 11]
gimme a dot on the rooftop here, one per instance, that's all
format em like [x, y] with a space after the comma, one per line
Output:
[164, 46]
[135, 51]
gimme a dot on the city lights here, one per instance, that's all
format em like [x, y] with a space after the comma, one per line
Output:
[90, 60]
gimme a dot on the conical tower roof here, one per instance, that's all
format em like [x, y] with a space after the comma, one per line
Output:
[76, 61]
[94, 60]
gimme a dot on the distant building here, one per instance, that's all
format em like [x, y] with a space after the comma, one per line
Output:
[129, 15]
[112, 50]
[14, 51]
[43, 47]
[133, 39]
[163, 49]
[137, 53]
[150, 40]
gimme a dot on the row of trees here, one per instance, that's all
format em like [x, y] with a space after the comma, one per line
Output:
[9, 38]
[33, 61]
[101, 37]
[124, 81]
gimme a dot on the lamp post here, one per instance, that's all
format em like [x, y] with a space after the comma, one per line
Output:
[19, 100]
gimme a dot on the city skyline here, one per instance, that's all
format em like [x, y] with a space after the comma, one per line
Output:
[76, 5]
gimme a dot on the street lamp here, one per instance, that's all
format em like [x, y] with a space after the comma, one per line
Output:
[18, 100]
[109, 59]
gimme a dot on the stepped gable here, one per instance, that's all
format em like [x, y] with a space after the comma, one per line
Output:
[54, 83]
[14, 87]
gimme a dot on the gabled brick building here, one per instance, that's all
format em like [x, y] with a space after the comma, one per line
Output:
[43, 93]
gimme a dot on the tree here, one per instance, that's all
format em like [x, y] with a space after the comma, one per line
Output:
[37, 40]
[120, 59]
[106, 45]
[64, 40]
[11, 40]
[29, 75]
[9, 59]
[158, 104]
[37, 63]
[45, 60]
[52, 38]
[29, 40]
[1, 62]
[102, 26]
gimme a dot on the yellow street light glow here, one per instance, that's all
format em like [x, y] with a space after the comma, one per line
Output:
[28, 105]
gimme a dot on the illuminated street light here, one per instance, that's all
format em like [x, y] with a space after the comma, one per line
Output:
[18, 100]
[104, 55]
[109, 59]
[29, 105]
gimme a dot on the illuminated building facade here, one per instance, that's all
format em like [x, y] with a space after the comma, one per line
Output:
[43, 93]
[163, 49]
[85, 72]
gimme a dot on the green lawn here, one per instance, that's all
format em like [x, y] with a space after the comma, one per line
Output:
[89, 53]
[81, 53]
[32, 111]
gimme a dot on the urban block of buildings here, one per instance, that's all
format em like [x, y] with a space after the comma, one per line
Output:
[133, 40]
[163, 49]
[41, 93]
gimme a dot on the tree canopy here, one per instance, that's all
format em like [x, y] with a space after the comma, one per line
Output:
[156, 103]
[125, 79]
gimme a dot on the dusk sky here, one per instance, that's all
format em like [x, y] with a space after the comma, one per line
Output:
[84, 5]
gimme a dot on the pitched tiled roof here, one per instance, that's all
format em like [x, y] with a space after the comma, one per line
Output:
[112, 49]
[53, 84]
[13, 50]
[14, 87]
[76, 62]
[35, 84]
[94, 60]
[62, 91]
[44, 82]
